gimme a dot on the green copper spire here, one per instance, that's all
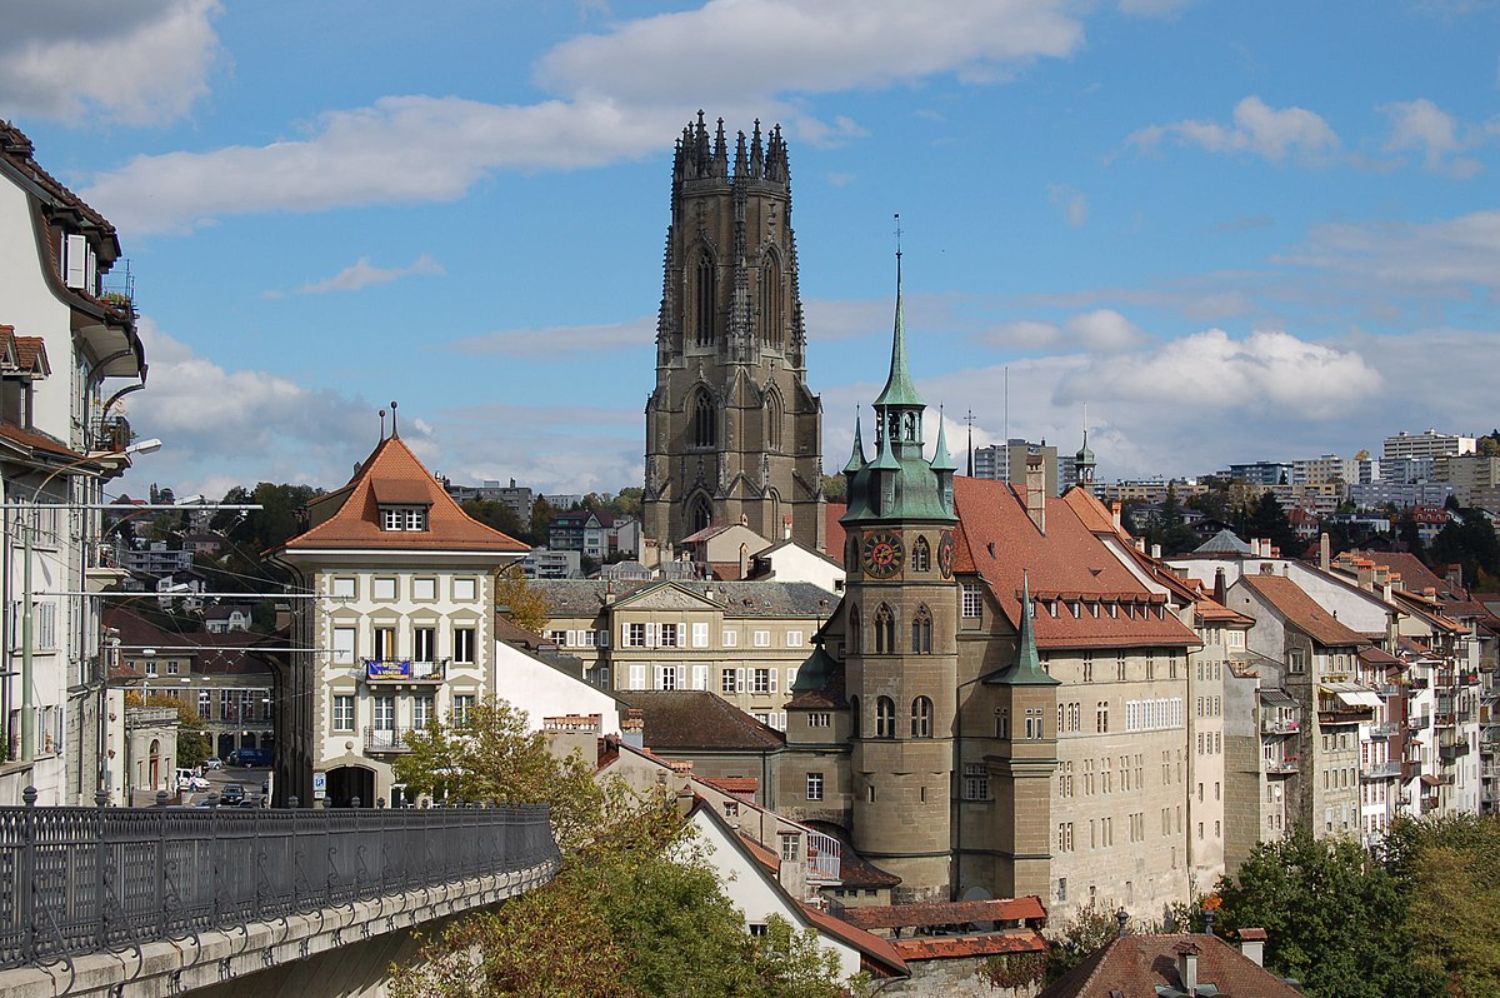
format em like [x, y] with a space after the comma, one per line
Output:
[1028, 669]
[885, 460]
[941, 459]
[898, 387]
[857, 456]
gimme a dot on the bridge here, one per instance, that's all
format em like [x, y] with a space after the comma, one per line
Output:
[154, 901]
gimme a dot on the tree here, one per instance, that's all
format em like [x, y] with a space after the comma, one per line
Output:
[497, 515]
[524, 605]
[541, 520]
[835, 488]
[1469, 540]
[1268, 519]
[1450, 868]
[192, 744]
[1089, 929]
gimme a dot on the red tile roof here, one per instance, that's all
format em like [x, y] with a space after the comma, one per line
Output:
[1302, 611]
[888, 961]
[393, 469]
[733, 785]
[37, 440]
[997, 540]
[910, 916]
[952, 947]
[833, 530]
[1137, 965]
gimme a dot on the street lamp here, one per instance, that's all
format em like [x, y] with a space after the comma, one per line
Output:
[28, 714]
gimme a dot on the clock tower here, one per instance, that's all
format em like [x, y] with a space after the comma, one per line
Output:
[900, 611]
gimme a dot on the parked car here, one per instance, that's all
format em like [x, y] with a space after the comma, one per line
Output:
[232, 794]
[213, 762]
[189, 781]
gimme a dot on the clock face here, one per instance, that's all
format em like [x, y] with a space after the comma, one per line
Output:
[945, 555]
[883, 554]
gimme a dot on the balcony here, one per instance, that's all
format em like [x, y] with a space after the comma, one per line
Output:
[382, 740]
[1339, 713]
[1389, 690]
[1419, 684]
[1418, 721]
[1429, 804]
[1446, 720]
[379, 672]
[1387, 729]
[1489, 769]
[824, 857]
[1381, 771]
[1275, 726]
[1451, 753]
[1281, 767]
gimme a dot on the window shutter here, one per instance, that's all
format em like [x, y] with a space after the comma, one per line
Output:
[651, 635]
[739, 680]
[75, 261]
[91, 274]
[659, 684]
[624, 635]
[637, 677]
[791, 677]
[700, 677]
[774, 673]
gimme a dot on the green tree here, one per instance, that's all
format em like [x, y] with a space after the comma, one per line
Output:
[497, 515]
[835, 488]
[1450, 869]
[541, 520]
[192, 744]
[523, 604]
[1469, 540]
[1267, 519]
[1088, 930]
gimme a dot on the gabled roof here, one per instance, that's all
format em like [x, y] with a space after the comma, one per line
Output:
[1300, 610]
[1224, 542]
[1138, 965]
[678, 721]
[588, 597]
[997, 540]
[27, 353]
[393, 470]
[935, 913]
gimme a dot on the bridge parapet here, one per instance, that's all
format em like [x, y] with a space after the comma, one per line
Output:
[77, 881]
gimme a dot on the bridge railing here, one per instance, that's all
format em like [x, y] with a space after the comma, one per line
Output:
[77, 880]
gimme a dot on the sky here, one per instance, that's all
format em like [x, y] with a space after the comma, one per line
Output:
[1230, 231]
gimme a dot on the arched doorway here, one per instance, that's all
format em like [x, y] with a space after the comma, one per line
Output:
[247, 740]
[348, 783]
[155, 757]
[226, 746]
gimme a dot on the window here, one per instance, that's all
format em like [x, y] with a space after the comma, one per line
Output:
[463, 645]
[1088, 667]
[885, 630]
[700, 635]
[1034, 724]
[1120, 668]
[343, 588]
[854, 724]
[1101, 717]
[385, 644]
[973, 601]
[728, 682]
[464, 590]
[855, 637]
[870, 793]
[151, 668]
[463, 710]
[921, 556]
[1002, 722]
[637, 677]
[172, 669]
[669, 677]
[731, 638]
[770, 301]
[762, 639]
[794, 639]
[424, 589]
[921, 718]
[343, 646]
[343, 712]
[1062, 888]
[1296, 661]
[976, 781]
[668, 635]
[705, 421]
[384, 588]
[885, 718]
[424, 644]
[791, 847]
[760, 681]
[384, 711]
[705, 299]
[635, 635]
[421, 712]
[921, 632]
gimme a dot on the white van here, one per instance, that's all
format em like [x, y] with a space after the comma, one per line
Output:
[188, 781]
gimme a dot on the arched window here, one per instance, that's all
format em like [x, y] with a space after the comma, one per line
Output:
[702, 515]
[921, 718]
[885, 718]
[770, 302]
[885, 631]
[854, 717]
[773, 416]
[921, 632]
[705, 421]
[921, 556]
[706, 299]
[855, 639]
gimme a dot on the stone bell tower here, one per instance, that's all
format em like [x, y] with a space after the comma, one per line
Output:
[732, 431]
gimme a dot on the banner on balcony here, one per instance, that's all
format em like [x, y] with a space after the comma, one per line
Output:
[387, 670]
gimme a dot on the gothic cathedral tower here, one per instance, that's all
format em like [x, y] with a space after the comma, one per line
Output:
[732, 431]
[901, 639]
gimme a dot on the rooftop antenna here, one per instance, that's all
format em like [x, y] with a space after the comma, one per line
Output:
[382, 424]
[393, 419]
[969, 418]
[1007, 405]
[898, 249]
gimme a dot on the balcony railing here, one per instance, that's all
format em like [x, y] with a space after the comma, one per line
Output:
[380, 671]
[1386, 729]
[392, 739]
[1418, 721]
[1280, 767]
[1276, 726]
[1449, 753]
[1419, 684]
[1381, 771]
[1446, 719]
[85, 879]
[1390, 689]
[1339, 713]
[824, 857]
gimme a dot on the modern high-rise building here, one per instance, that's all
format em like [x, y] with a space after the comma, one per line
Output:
[733, 432]
[1007, 463]
[1427, 444]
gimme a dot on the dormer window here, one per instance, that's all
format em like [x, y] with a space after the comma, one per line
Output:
[403, 517]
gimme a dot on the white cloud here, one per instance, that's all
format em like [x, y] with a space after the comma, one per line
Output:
[1073, 202]
[739, 56]
[143, 62]
[549, 340]
[1257, 128]
[1152, 8]
[1103, 330]
[1449, 255]
[362, 274]
[1421, 126]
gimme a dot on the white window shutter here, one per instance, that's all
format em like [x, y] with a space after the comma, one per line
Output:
[637, 677]
[739, 681]
[75, 261]
[774, 673]
[659, 684]
[700, 677]
[791, 677]
[651, 630]
[92, 273]
[624, 635]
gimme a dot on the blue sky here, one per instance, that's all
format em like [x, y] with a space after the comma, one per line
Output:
[1233, 230]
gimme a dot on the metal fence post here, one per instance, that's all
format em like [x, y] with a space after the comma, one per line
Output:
[101, 867]
[28, 874]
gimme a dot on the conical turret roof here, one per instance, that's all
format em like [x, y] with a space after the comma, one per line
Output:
[941, 459]
[899, 389]
[857, 455]
[1028, 669]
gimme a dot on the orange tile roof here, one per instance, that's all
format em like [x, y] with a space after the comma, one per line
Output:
[1302, 611]
[951, 947]
[733, 784]
[925, 915]
[873, 947]
[997, 540]
[37, 440]
[356, 523]
[1137, 965]
[833, 530]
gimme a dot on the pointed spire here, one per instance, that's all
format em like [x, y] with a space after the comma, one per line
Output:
[885, 457]
[941, 459]
[741, 157]
[721, 151]
[757, 152]
[857, 456]
[899, 389]
[1028, 670]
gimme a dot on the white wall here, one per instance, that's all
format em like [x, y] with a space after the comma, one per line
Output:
[543, 691]
[793, 563]
[27, 303]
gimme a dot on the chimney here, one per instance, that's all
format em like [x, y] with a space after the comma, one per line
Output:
[1122, 919]
[1253, 945]
[786, 527]
[1116, 514]
[1036, 491]
[633, 728]
[1208, 923]
[1221, 591]
[609, 592]
[1325, 551]
[1156, 551]
[1187, 967]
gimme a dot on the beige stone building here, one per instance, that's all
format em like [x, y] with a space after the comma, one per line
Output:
[742, 640]
[733, 433]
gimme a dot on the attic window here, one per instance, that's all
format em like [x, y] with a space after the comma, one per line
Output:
[403, 518]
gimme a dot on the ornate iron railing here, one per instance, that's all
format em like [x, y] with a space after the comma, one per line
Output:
[77, 880]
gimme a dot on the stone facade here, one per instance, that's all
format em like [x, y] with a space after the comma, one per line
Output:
[733, 433]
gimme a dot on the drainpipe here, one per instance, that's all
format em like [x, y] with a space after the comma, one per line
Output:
[28, 720]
